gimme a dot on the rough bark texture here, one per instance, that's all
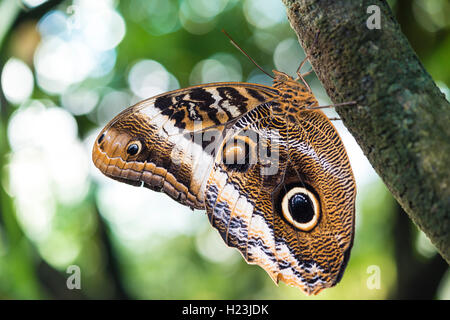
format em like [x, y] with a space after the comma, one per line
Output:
[401, 121]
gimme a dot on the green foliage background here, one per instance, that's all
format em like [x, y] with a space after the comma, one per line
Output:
[185, 265]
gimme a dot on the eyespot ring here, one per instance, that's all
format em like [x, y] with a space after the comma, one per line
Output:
[235, 152]
[238, 153]
[305, 219]
[134, 147]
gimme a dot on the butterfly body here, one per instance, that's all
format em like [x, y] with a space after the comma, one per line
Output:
[272, 174]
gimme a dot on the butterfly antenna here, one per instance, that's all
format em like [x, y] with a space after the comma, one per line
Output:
[245, 53]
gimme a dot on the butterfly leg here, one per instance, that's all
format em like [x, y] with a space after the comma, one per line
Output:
[302, 76]
[301, 66]
[306, 73]
[349, 103]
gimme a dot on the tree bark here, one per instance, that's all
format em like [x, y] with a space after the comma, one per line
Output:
[401, 121]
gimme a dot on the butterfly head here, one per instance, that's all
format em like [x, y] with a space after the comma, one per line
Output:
[280, 76]
[283, 79]
[294, 93]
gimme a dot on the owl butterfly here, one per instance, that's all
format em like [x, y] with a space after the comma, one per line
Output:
[266, 164]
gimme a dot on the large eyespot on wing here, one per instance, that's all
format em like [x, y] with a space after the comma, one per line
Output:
[319, 166]
[308, 249]
[299, 206]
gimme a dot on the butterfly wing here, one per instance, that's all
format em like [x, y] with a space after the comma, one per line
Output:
[168, 142]
[245, 203]
[176, 143]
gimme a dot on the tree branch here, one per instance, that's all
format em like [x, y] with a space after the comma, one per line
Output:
[402, 120]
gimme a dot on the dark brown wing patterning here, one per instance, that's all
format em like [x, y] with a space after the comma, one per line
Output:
[178, 133]
[289, 209]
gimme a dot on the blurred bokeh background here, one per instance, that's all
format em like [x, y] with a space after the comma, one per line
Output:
[67, 67]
